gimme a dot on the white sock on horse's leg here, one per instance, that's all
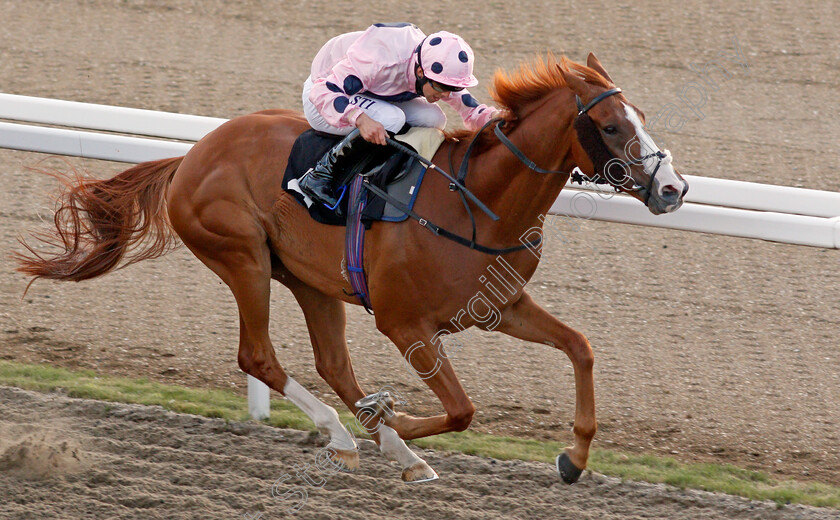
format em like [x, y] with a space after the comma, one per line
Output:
[414, 469]
[395, 448]
[325, 417]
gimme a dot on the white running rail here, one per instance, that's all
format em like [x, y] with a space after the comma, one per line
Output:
[724, 207]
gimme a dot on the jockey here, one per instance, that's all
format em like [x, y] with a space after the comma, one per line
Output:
[381, 80]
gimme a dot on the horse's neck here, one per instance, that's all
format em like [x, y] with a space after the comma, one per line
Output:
[515, 192]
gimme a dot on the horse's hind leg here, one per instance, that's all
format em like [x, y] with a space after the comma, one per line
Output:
[325, 319]
[527, 320]
[236, 250]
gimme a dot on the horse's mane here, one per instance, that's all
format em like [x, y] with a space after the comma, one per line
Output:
[533, 80]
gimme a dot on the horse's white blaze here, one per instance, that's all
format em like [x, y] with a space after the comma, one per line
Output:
[325, 417]
[395, 449]
[666, 175]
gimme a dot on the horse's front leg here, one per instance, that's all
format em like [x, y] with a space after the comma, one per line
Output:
[326, 321]
[527, 320]
[424, 358]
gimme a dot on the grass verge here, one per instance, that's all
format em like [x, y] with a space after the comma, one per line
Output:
[227, 405]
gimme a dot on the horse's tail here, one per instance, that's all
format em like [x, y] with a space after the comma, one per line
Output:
[99, 223]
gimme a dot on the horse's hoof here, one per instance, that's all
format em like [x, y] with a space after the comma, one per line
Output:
[347, 460]
[568, 471]
[419, 472]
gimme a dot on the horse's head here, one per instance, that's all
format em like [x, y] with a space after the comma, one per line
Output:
[614, 147]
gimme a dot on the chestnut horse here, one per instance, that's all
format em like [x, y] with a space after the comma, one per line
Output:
[225, 202]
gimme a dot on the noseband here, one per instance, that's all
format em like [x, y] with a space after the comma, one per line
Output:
[602, 158]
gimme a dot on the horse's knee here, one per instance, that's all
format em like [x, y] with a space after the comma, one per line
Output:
[256, 368]
[580, 351]
[461, 419]
[326, 372]
[248, 353]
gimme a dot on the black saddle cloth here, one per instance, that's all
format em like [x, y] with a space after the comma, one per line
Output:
[384, 166]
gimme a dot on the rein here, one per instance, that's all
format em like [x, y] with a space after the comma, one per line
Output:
[454, 184]
[590, 139]
[602, 158]
[594, 146]
[518, 153]
[437, 230]
[462, 173]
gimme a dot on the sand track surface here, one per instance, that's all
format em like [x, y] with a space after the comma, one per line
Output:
[145, 462]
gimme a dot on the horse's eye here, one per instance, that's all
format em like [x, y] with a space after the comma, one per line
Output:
[610, 129]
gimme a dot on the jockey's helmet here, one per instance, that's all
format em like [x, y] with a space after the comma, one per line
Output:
[447, 59]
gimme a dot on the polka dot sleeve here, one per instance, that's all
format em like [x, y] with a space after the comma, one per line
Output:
[333, 95]
[475, 114]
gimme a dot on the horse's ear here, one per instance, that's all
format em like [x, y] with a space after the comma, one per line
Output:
[576, 83]
[593, 63]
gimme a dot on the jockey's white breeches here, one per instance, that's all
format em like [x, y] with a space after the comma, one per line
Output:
[392, 115]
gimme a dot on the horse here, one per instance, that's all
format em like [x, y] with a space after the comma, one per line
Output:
[224, 201]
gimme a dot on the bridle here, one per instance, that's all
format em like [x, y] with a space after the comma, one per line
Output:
[602, 158]
[593, 144]
[588, 135]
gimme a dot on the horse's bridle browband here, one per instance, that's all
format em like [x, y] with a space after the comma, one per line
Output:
[600, 97]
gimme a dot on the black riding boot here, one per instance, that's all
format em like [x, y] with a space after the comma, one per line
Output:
[320, 181]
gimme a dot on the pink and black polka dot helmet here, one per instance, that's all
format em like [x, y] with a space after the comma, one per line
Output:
[447, 59]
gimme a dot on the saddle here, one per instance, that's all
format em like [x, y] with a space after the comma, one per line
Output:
[395, 172]
[401, 174]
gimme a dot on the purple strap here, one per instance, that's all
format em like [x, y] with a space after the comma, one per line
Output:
[355, 243]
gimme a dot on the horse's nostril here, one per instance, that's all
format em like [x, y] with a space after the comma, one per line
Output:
[670, 192]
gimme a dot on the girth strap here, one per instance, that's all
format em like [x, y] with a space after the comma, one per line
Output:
[437, 230]
[354, 246]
